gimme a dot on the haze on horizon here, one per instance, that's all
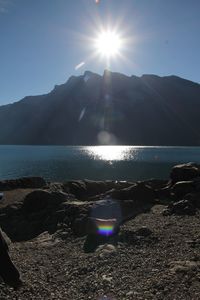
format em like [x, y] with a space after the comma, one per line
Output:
[44, 43]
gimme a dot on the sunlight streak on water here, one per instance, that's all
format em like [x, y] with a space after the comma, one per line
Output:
[61, 163]
[110, 153]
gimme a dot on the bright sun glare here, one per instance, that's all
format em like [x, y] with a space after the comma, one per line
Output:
[108, 43]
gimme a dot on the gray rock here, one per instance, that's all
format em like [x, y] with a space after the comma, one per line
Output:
[181, 188]
[184, 172]
[106, 250]
[182, 207]
[40, 199]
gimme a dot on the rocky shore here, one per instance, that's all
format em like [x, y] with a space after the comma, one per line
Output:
[153, 253]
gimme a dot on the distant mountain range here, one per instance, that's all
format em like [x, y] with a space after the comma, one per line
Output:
[109, 109]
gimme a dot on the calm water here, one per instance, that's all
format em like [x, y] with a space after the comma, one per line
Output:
[60, 163]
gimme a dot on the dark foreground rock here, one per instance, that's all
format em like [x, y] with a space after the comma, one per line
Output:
[70, 204]
[153, 252]
[43, 210]
[8, 271]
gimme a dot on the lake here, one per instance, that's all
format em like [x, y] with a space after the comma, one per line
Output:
[61, 163]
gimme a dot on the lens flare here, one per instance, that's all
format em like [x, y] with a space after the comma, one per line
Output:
[105, 227]
[79, 65]
[105, 230]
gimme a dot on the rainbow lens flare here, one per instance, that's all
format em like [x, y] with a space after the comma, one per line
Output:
[105, 230]
[106, 227]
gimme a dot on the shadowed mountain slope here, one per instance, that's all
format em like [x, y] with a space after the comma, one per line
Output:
[109, 109]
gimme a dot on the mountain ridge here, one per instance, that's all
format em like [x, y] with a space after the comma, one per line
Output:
[93, 73]
[113, 108]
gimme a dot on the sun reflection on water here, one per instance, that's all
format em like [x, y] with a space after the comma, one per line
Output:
[110, 153]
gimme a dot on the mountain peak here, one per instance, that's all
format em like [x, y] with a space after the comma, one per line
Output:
[135, 110]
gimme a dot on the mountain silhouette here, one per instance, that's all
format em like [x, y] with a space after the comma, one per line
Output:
[111, 109]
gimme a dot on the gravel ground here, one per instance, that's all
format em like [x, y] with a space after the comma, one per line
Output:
[161, 261]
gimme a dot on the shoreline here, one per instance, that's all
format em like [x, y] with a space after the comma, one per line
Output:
[155, 254]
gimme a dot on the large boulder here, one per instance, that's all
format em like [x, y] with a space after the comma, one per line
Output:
[39, 200]
[24, 182]
[77, 188]
[125, 203]
[181, 188]
[76, 216]
[40, 211]
[182, 207]
[139, 199]
[184, 172]
[84, 189]
[187, 206]
[140, 192]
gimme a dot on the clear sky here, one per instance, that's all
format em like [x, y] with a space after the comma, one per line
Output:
[42, 42]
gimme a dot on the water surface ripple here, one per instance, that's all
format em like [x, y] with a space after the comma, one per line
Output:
[61, 163]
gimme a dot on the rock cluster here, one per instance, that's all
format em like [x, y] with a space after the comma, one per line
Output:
[184, 189]
[44, 209]
[73, 203]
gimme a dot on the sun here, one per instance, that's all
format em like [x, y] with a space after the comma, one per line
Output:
[108, 43]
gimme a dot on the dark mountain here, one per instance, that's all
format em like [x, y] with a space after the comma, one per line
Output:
[109, 109]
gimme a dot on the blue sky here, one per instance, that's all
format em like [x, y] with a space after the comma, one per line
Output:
[42, 41]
